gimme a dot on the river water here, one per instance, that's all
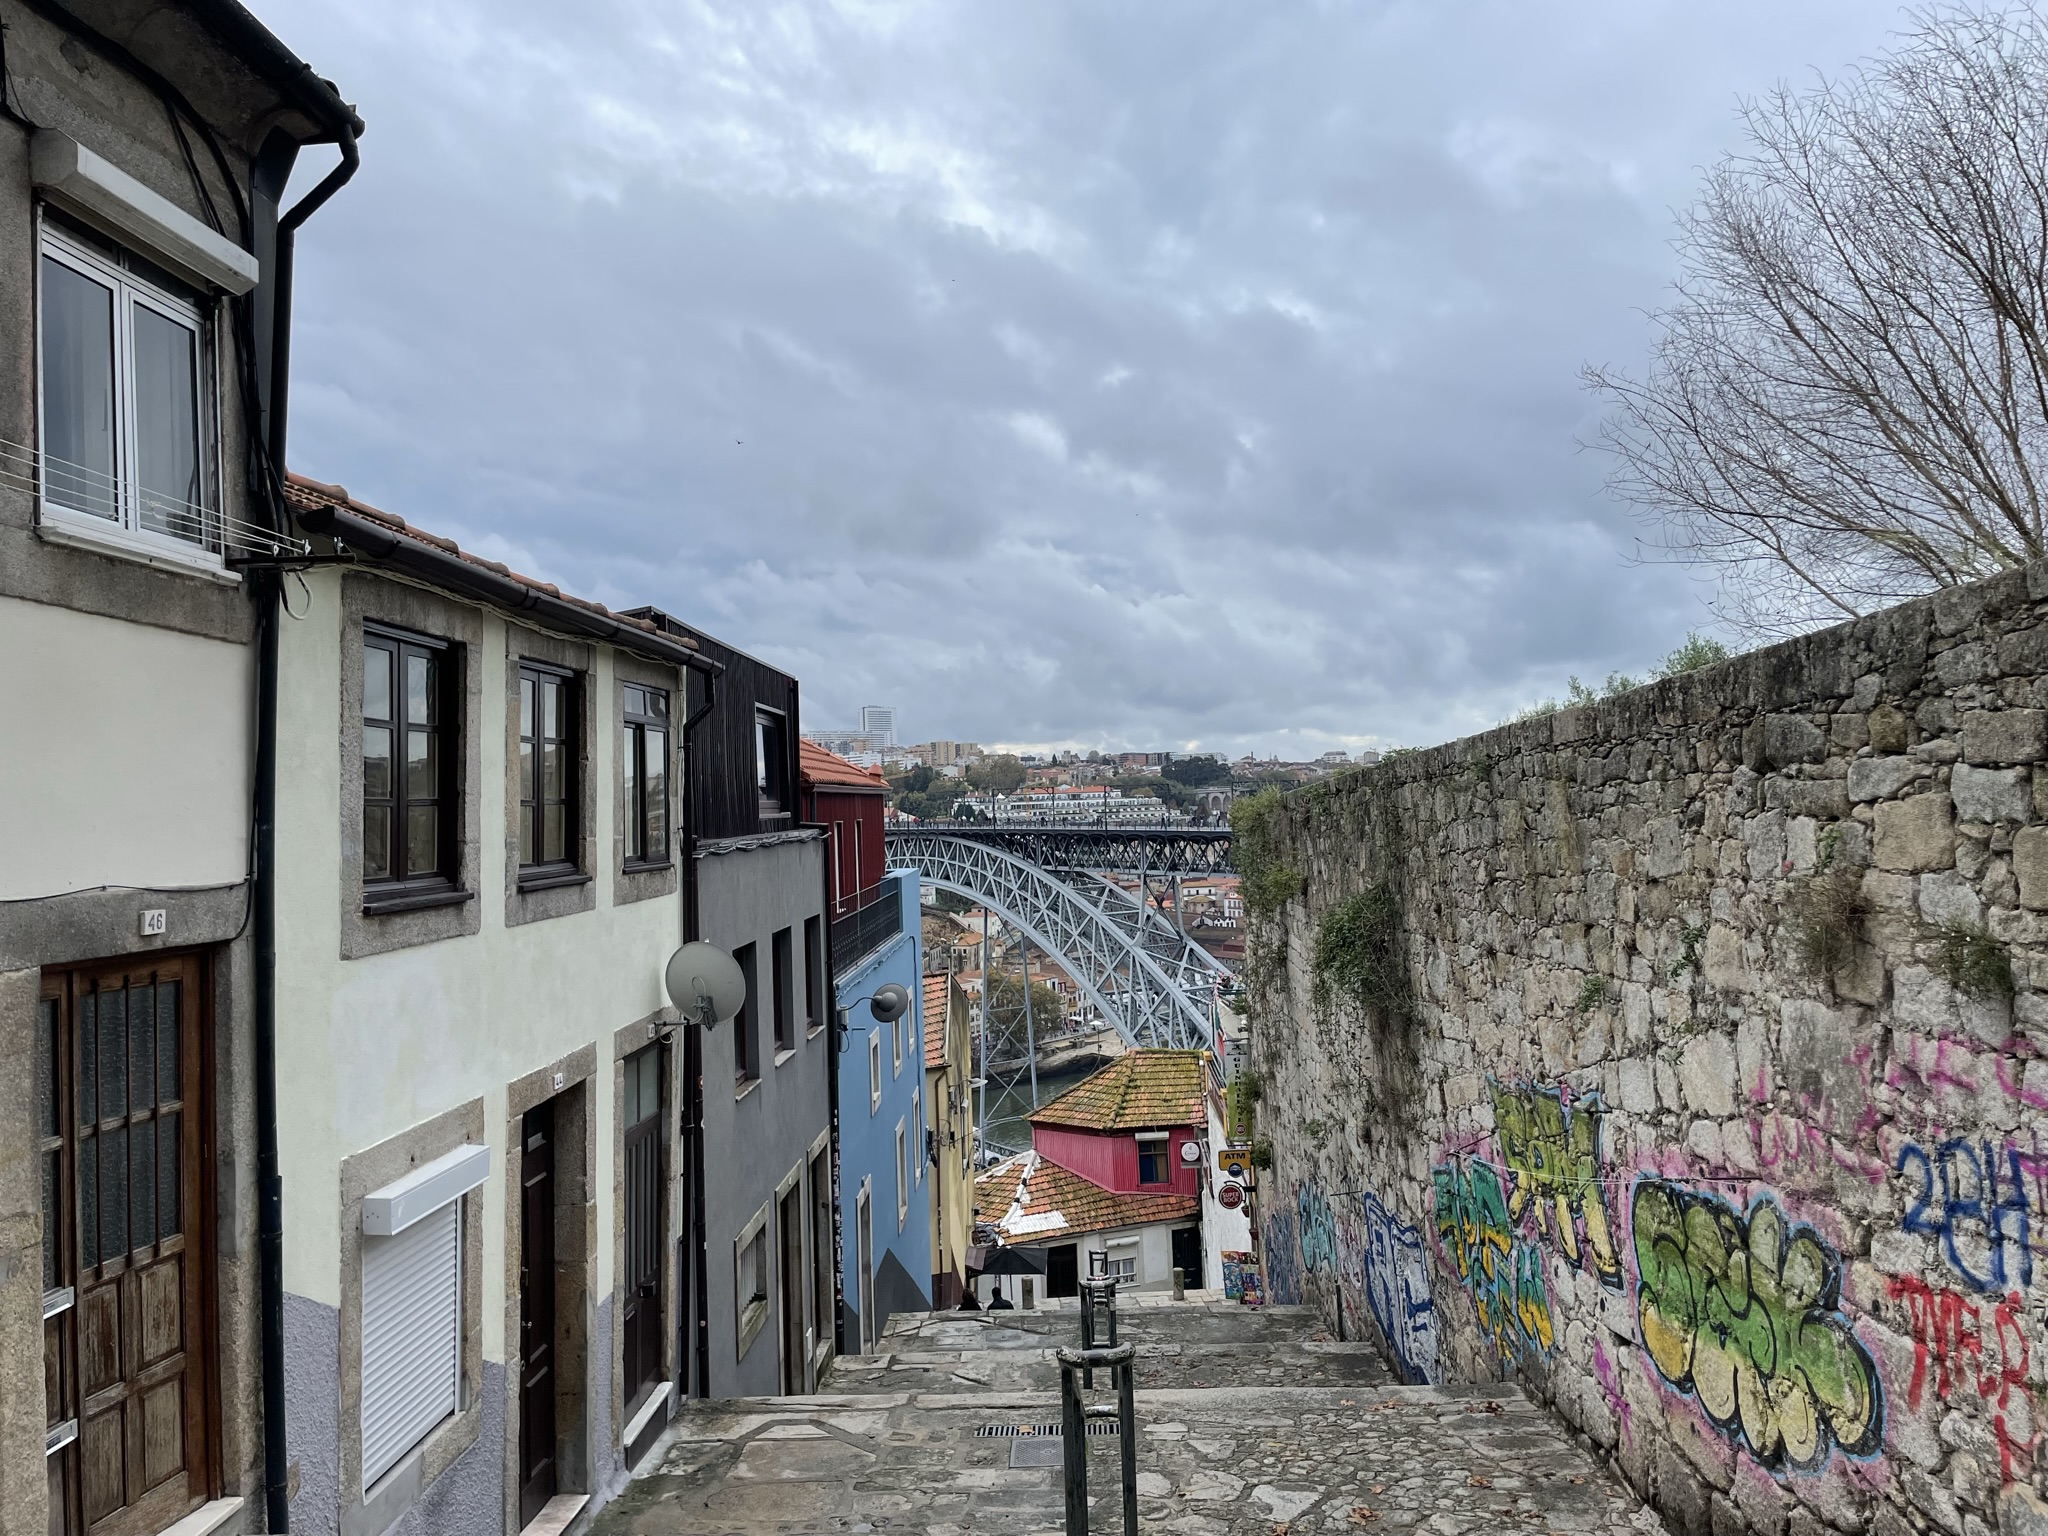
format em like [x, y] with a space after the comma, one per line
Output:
[1007, 1126]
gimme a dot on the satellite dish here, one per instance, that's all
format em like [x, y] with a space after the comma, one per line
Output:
[889, 1003]
[705, 983]
[1190, 1153]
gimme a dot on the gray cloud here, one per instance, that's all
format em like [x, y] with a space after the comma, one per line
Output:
[1081, 372]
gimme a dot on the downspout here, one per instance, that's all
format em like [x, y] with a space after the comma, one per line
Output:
[268, 586]
[693, 1048]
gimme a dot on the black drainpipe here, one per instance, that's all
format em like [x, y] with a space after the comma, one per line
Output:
[693, 1049]
[268, 586]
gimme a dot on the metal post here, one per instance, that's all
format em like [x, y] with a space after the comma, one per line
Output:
[1127, 1431]
[1030, 1035]
[1073, 1448]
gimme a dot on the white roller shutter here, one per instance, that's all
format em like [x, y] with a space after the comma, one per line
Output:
[412, 1335]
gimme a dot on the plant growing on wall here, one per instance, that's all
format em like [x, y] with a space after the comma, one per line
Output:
[1826, 912]
[1257, 846]
[1975, 963]
[1358, 952]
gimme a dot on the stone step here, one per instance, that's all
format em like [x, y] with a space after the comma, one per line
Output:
[1236, 1460]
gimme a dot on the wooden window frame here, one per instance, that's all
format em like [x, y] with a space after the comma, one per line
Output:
[401, 887]
[1164, 1140]
[541, 872]
[638, 729]
[782, 987]
[746, 1024]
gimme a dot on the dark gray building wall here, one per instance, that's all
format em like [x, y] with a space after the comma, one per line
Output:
[753, 1140]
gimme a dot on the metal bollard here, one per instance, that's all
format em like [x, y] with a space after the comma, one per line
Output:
[1097, 1291]
[1074, 1417]
[1030, 1300]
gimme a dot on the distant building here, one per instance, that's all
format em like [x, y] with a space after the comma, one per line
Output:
[879, 720]
[949, 1134]
[1115, 1169]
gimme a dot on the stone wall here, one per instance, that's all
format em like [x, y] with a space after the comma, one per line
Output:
[1707, 1101]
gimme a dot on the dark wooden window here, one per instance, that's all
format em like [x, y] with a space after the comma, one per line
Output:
[771, 761]
[408, 765]
[746, 1025]
[782, 954]
[646, 1222]
[814, 972]
[1153, 1165]
[643, 750]
[121, 1126]
[547, 770]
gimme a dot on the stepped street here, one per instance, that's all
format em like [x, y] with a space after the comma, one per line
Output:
[1249, 1421]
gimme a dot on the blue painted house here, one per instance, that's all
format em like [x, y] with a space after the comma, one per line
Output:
[885, 1178]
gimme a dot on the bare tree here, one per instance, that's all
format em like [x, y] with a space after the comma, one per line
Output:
[1848, 403]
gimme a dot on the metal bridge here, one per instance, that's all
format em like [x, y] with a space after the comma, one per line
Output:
[1156, 986]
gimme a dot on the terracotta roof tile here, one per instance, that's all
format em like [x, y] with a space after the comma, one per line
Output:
[816, 766]
[1032, 1200]
[303, 493]
[1138, 1091]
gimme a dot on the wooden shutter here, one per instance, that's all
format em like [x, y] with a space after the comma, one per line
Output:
[412, 1335]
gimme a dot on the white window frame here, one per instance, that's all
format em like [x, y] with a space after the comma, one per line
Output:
[125, 527]
[1131, 1248]
[902, 1180]
[896, 1045]
[874, 1070]
[750, 1311]
[917, 1125]
[1163, 1141]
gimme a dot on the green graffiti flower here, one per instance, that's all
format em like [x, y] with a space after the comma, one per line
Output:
[1741, 1313]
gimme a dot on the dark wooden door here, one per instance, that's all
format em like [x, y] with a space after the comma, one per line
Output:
[1187, 1255]
[646, 1223]
[789, 1263]
[538, 1481]
[1063, 1270]
[127, 1283]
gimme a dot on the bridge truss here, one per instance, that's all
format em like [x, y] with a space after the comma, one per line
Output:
[1155, 986]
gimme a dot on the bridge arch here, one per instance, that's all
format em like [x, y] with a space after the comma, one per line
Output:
[1154, 986]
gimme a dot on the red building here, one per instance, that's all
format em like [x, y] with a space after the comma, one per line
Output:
[848, 801]
[1115, 1168]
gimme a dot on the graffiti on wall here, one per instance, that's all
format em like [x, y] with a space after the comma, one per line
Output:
[1282, 1260]
[1551, 1151]
[1318, 1229]
[1502, 1271]
[1740, 1311]
[1397, 1289]
[1966, 1347]
[1975, 1191]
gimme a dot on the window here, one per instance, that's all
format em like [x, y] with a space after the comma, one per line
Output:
[1122, 1262]
[902, 1177]
[814, 972]
[782, 958]
[1153, 1167]
[896, 1027]
[917, 1140]
[126, 373]
[412, 1335]
[547, 769]
[408, 763]
[771, 765]
[750, 1279]
[746, 1026]
[838, 875]
[643, 759]
[874, 1070]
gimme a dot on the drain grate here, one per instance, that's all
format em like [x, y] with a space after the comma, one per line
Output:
[1003, 1431]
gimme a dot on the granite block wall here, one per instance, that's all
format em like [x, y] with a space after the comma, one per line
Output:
[1704, 1097]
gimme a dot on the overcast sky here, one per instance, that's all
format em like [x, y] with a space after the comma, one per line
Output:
[1065, 372]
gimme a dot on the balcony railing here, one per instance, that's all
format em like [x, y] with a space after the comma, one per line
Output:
[859, 933]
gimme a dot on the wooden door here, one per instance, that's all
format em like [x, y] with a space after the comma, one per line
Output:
[646, 1223]
[127, 1280]
[538, 1479]
[864, 1267]
[1063, 1270]
[789, 1262]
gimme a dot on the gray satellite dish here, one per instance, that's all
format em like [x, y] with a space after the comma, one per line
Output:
[889, 1003]
[705, 983]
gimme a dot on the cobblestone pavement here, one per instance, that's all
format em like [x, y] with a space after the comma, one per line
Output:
[1237, 1460]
